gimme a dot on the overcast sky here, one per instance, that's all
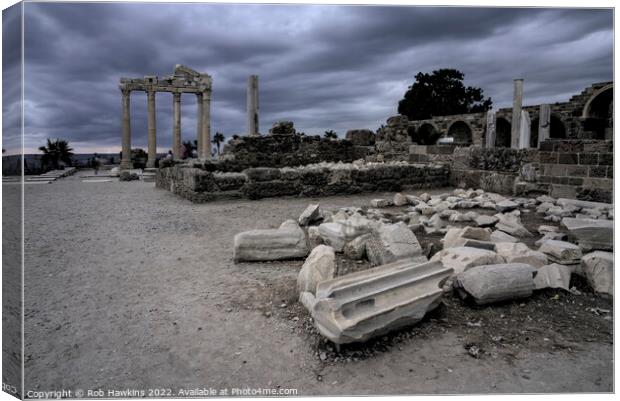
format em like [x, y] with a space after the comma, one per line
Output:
[323, 67]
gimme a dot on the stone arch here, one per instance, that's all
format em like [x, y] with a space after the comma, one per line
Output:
[598, 113]
[502, 132]
[557, 130]
[606, 92]
[426, 134]
[460, 131]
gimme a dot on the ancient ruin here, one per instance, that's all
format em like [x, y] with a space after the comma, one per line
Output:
[184, 80]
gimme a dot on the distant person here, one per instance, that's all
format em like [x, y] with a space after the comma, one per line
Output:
[194, 153]
[96, 163]
[169, 155]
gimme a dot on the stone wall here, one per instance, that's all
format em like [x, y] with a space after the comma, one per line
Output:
[323, 179]
[576, 169]
[282, 150]
[584, 116]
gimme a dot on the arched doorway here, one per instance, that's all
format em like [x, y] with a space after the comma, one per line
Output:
[461, 132]
[556, 130]
[427, 134]
[502, 133]
[598, 113]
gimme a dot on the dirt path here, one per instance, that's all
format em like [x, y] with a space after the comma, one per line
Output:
[131, 287]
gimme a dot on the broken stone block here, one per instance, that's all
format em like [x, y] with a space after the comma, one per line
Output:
[494, 283]
[400, 200]
[356, 249]
[311, 214]
[463, 258]
[412, 200]
[485, 221]
[598, 267]
[545, 198]
[286, 242]
[520, 253]
[338, 233]
[319, 266]
[314, 237]
[424, 209]
[500, 236]
[373, 302]
[506, 206]
[579, 204]
[561, 252]
[458, 236]
[591, 233]
[459, 218]
[380, 203]
[511, 224]
[550, 236]
[391, 242]
[553, 276]
[543, 207]
[436, 222]
[542, 230]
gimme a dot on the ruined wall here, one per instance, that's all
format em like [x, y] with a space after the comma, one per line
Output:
[285, 150]
[574, 119]
[576, 169]
[325, 179]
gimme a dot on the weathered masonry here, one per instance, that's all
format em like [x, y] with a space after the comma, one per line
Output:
[184, 80]
[588, 115]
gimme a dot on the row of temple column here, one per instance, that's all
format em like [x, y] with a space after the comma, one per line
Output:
[203, 128]
[520, 134]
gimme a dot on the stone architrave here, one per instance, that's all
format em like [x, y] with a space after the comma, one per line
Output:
[525, 132]
[544, 123]
[517, 100]
[252, 105]
[491, 130]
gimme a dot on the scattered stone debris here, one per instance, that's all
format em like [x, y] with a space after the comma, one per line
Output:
[561, 252]
[553, 276]
[392, 242]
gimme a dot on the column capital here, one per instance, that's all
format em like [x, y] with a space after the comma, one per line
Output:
[176, 96]
[125, 91]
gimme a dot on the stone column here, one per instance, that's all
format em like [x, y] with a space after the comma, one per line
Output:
[525, 133]
[491, 132]
[544, 123]
[206, 125]
[199, 138]
[252, 105]
[126, 139]
[176, 127]
[152, 130]
[517, 100]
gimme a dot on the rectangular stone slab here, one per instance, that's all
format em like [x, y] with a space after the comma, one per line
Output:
[591, 233]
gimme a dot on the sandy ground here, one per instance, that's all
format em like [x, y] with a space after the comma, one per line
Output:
[131, 287]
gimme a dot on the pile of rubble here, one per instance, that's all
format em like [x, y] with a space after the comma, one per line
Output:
[484, 255]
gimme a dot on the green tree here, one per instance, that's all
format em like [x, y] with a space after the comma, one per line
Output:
[218, 138]
[331, 134]
[55, 152]
[441, 93]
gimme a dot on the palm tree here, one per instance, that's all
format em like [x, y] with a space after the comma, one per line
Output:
[218, 138]
[331, 134]
[55, 152]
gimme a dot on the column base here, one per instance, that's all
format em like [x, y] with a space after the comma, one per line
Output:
[150, 164]
[126, 165]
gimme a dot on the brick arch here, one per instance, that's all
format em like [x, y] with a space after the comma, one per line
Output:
[461, 131]
[502, 132]
[587, 107]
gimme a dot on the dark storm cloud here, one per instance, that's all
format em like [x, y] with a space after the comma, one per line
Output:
[324, 67]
